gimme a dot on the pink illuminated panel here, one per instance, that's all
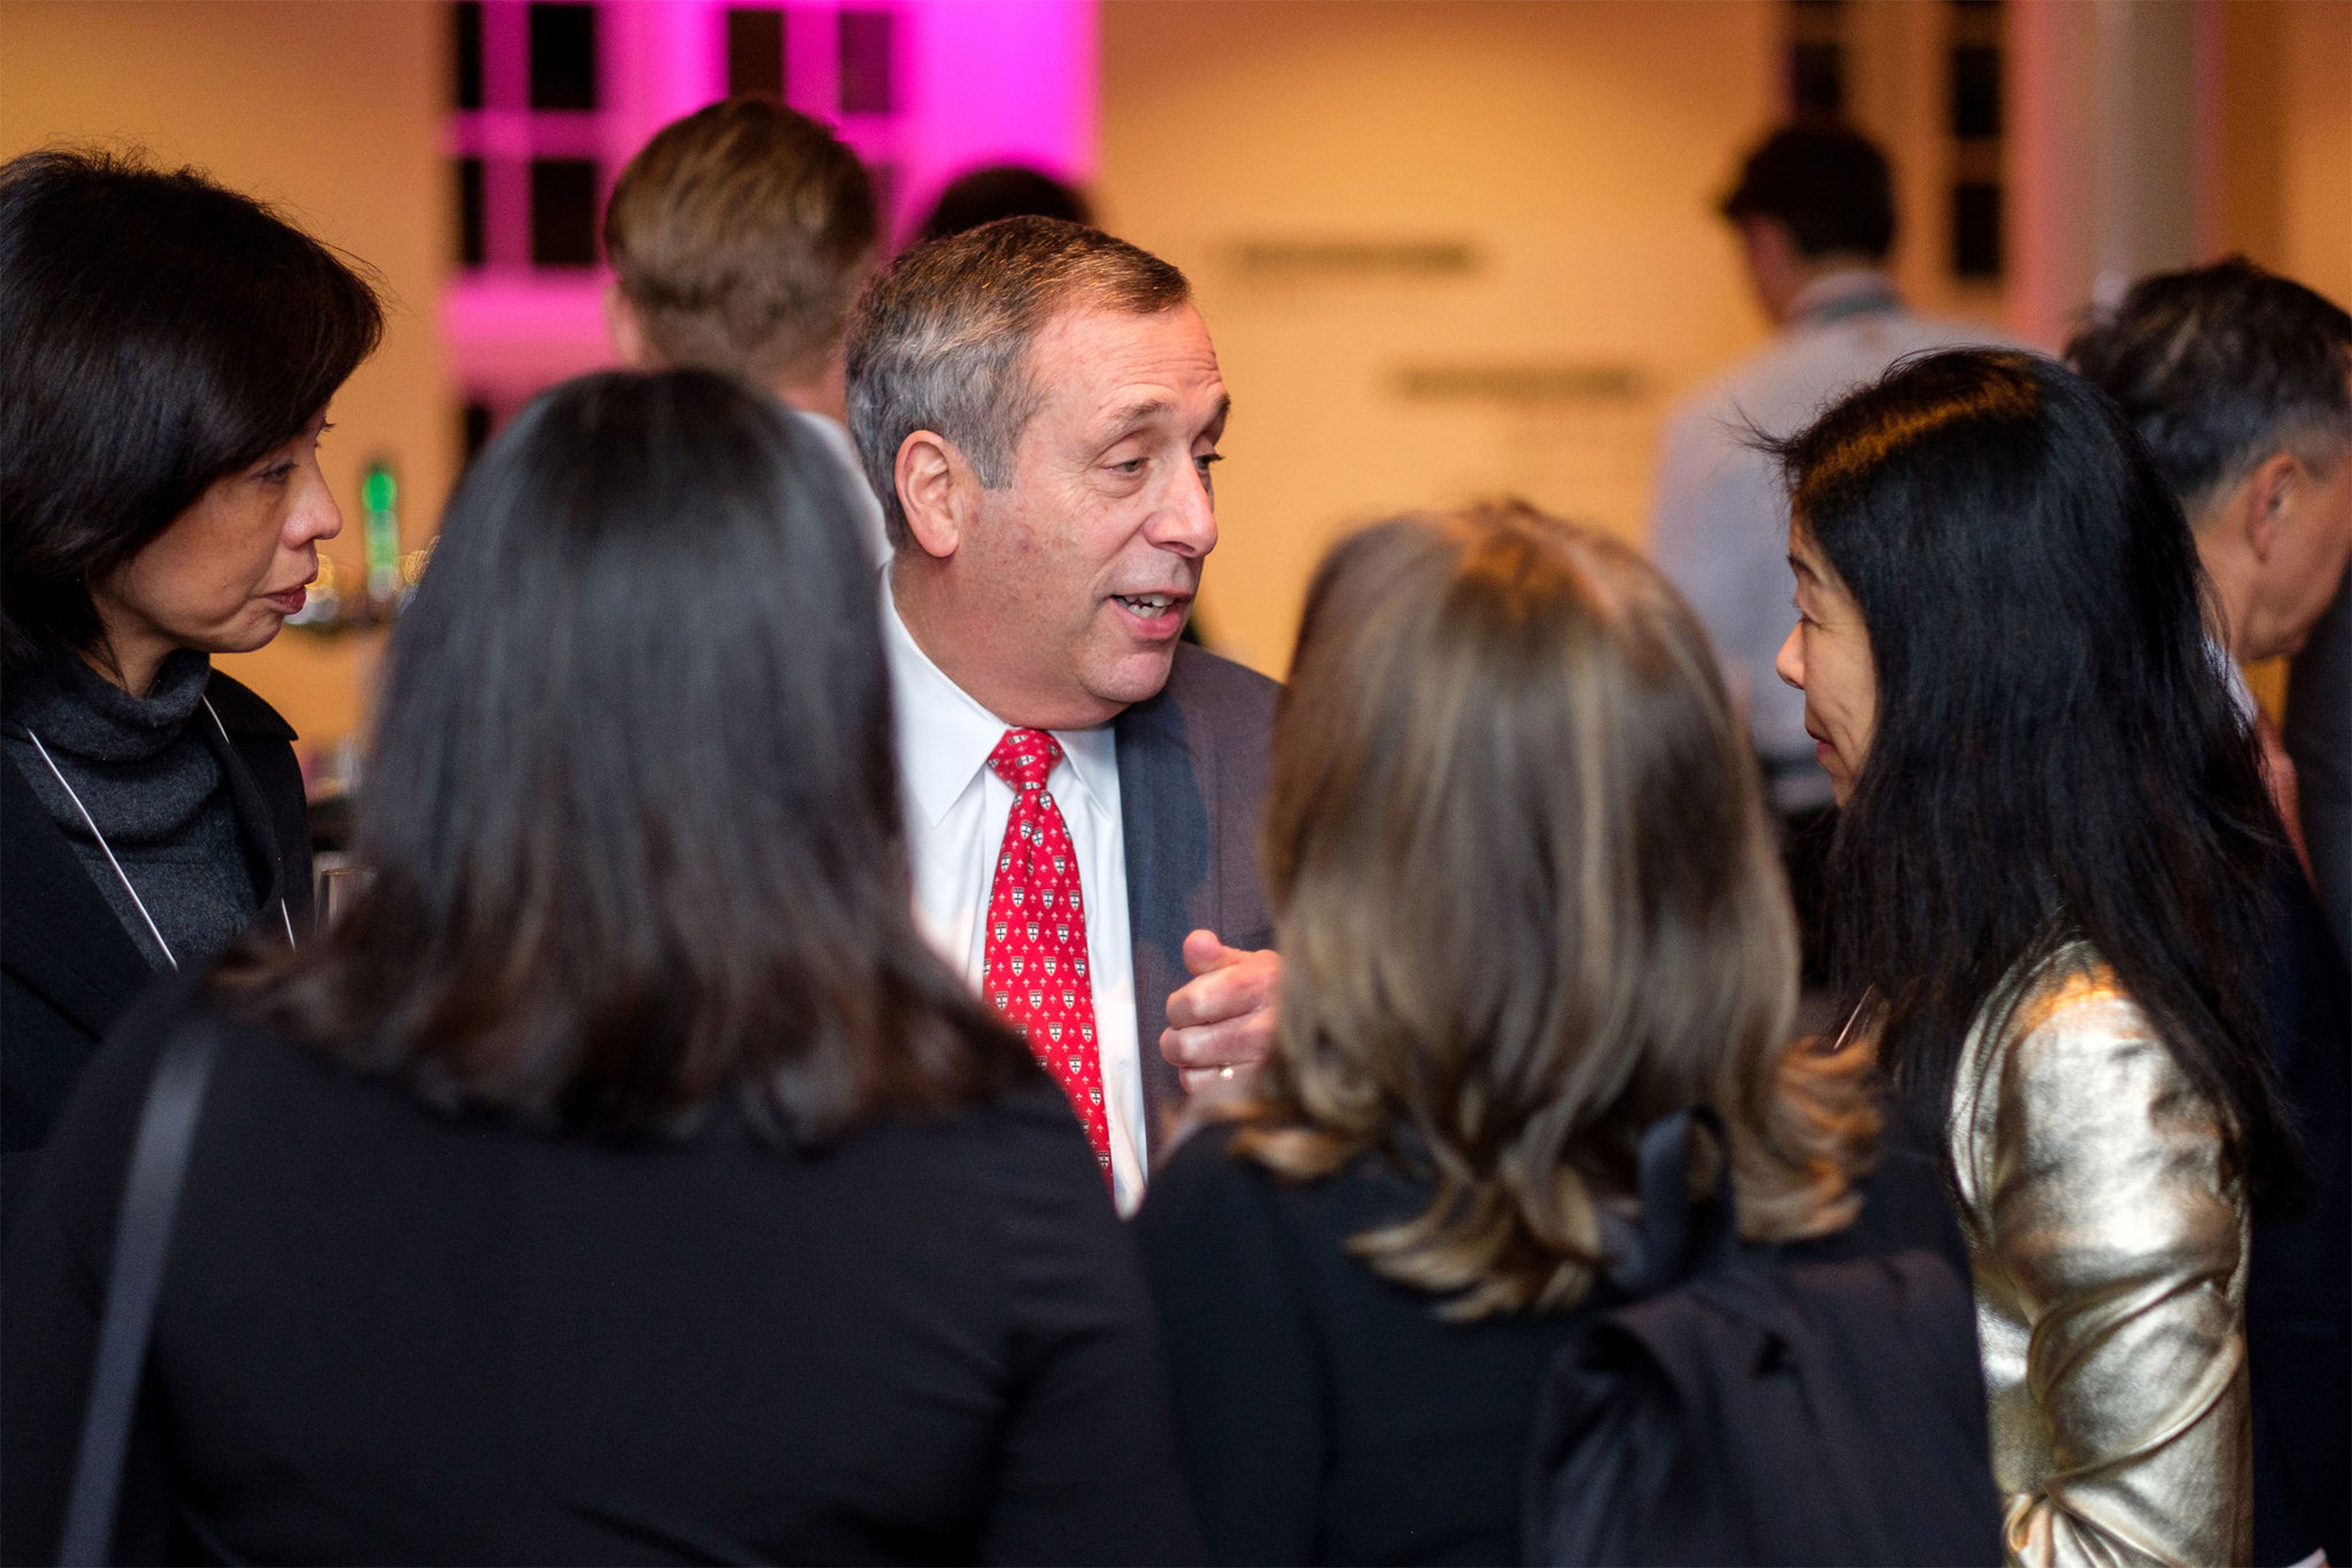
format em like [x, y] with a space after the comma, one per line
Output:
[968, 82]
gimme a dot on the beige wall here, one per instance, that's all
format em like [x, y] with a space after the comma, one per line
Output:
[330, 109]
[1574, 149]
[1897, 61]
[2315, 87]
[2285, 168]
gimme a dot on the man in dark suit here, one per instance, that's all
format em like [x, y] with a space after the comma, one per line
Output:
[1038, 407]
[2242, 383]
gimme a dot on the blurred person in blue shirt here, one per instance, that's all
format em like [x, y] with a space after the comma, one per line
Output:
[1815, 211]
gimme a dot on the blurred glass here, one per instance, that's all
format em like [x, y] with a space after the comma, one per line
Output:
[336, 882]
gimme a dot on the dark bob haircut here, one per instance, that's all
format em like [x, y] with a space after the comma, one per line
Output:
[2056, 753]
[1002, 191]
[157, 333]
[2221, 366]
[1827, 182]
[634, 818]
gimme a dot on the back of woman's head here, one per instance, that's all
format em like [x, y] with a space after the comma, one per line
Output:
[1526, 902]
[632, 820]
[2054, 754]
[157, 332]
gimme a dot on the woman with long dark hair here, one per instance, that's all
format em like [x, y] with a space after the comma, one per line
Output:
[1528, 904]
[619, 1178]
[168, 350]
[2046, 880]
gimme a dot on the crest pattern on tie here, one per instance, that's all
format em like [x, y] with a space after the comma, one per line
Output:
[1034, 967]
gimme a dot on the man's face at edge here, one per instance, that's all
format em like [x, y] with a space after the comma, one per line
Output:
[2307, 566]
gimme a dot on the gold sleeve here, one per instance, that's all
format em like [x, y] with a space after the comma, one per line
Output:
[2110, 1251]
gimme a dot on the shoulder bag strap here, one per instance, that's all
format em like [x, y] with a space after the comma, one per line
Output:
[151, 1194]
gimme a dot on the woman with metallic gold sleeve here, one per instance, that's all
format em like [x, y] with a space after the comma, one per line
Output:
[2046, 883]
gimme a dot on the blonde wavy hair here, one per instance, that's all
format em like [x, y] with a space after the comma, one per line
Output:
[1528, 902]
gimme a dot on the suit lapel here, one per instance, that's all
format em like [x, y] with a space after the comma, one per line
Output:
[1172, 860]
[61, 935]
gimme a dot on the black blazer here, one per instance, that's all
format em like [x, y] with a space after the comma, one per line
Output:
[1194, 766]
[67, 967]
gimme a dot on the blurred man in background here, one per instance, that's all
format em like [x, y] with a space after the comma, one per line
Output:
[738, 236]
[1815, 212]
[2242, 383]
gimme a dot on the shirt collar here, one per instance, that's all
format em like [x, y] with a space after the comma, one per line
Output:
[832, 432]
[944, 734]
[1843, 291]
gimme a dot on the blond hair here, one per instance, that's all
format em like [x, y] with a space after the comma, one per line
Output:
[1528, 902]
[739, 235]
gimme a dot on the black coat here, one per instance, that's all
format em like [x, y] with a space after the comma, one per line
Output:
[67, 968]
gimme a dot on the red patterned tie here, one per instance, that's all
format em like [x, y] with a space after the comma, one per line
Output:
[1036, 957]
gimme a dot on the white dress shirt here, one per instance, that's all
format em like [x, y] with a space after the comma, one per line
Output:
[1719, 517]
[836, 436]
[957, 808]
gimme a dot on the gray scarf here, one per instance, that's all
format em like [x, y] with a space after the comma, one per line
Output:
[151, 774]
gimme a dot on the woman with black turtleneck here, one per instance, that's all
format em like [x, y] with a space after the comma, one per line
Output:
[168, 349]
[154, 780]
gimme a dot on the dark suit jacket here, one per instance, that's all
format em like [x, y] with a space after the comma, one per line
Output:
[1194, 764]
[2319, 738]
[2298, 1287]
[2298, 1297]
[67, 967]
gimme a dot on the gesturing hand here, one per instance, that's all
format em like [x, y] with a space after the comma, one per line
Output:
[1221, 1021]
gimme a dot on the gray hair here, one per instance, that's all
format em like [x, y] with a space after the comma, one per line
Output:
[940, 339]
[2220, 368]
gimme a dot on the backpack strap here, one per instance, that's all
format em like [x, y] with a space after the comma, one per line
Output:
[150, 1195]
[1676, 1243]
